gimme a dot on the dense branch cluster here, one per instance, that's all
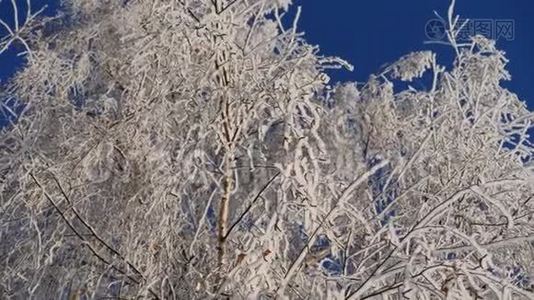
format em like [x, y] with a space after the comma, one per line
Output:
[192, 149]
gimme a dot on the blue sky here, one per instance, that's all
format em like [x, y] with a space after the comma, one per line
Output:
[9, 61]
[380, 31]
[370, 34]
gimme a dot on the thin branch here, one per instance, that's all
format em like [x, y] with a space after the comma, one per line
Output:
[244, 213]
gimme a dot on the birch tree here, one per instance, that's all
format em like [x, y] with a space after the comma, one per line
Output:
[192, 149]
[450, 214]
[138, 166]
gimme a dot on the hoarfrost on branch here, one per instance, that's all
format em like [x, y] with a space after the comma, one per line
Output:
[192, 150]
